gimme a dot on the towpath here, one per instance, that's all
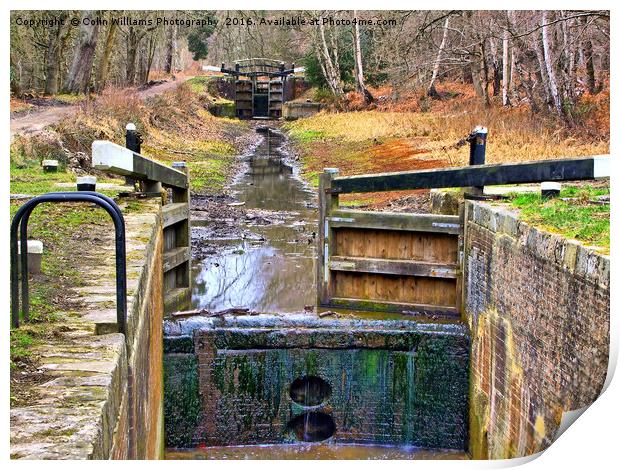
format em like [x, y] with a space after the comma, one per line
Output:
[43, 116]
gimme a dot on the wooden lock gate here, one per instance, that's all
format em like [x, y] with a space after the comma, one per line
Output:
[411, 263]
[259, 87]
[386, 261]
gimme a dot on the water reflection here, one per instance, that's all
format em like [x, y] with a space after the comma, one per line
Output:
[273, 269]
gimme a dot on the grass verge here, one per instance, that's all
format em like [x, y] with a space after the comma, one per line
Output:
[575, 217]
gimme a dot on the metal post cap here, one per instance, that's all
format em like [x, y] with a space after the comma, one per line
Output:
[86, 180]
[550, 186]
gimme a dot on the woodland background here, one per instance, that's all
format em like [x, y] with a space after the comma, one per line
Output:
[546, 60]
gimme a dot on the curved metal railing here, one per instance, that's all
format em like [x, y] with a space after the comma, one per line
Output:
[20, 221]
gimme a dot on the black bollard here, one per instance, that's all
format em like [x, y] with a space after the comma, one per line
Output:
[133, 140]
[86, 183]
[477, 151]
[549, 189]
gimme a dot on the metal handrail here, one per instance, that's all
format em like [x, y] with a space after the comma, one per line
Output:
[20, 220]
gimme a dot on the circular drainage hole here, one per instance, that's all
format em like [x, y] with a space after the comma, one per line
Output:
[312, 426]
[310, 390]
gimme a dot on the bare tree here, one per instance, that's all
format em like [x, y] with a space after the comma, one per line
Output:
[78, 77]
[359, 68]
[171, 48]
[431, 87]
[328, 67]
[588, 56]
[104, 63]
[56, 42]
[505, 73]
[549, 68]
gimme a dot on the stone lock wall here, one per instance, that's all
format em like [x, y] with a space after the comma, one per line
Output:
[384, 382]
[538, 308]
[296, 110]
[139, 433]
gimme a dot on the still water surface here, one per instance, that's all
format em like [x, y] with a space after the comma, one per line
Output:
[272, 269]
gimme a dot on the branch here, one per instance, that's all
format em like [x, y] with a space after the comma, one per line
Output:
[558, 20]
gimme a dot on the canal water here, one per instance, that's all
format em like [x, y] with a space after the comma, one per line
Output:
[268, 265]
[315, 452]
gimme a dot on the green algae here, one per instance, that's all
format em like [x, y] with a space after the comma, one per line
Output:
[182, 405]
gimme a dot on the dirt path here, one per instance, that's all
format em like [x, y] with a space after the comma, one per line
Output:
[42, 116]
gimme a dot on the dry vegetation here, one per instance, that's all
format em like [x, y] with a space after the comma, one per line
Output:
[175, 127]
[387, 139]
[415, 132]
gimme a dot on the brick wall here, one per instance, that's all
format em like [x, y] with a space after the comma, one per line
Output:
[538, 308]
[138, 433]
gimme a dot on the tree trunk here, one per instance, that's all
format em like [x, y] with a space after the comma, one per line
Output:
[568, 59]
[466, 73]
[529, 91]
[78, 78]
[52, 57]
[431, 87]
[480, 75]
[589, 58]
[52, 63]
[142, 66]
[331, 74]
[485, 73]
[495, 62]
[511, 82]
[171, 49]
[104, 64]
[552, 81]
[505, 72]
[132, 48]
[359, 69]
[333, 45]
[151, 55]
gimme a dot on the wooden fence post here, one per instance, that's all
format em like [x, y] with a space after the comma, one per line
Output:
[177, 245]
[327, 203]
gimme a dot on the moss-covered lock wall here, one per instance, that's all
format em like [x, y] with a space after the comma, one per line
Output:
[387, 382]
[537, 306]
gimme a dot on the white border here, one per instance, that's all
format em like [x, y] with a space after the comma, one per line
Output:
[591, 443]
